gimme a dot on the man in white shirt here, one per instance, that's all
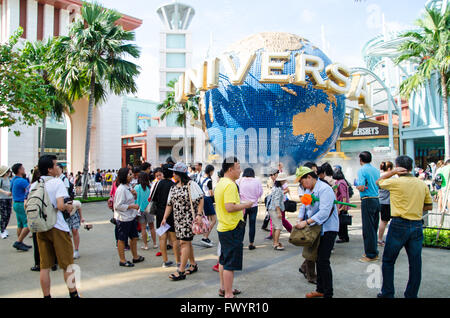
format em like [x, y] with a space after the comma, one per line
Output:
[55, 243]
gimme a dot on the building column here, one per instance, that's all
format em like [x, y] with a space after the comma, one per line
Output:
[410, 151]
[48, 21]
[31, 20]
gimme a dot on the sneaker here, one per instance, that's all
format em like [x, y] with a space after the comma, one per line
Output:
[76, 255]
[127, 248]
[269, 237]
[381, 243]
[27, 246]
[206, 242]
[155, 247]
[20, 247]
[158, 254]
[3, 235]
[169, 247]
[366, 259]
[6, 232]
[35, 268]
[167, 264]
[216, 267]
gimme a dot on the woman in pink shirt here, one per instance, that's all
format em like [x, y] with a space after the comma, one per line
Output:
[250, 189]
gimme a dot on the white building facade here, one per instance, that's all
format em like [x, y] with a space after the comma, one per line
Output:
[42, 20]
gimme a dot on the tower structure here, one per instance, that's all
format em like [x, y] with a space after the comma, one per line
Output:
[175, 43]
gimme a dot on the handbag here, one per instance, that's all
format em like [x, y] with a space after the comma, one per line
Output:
[198, 228]
[152, 206]
[308, 235]
[345, 219]
[290, 206]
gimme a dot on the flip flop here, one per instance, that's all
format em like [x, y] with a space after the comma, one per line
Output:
[126, 264]
[235, 292]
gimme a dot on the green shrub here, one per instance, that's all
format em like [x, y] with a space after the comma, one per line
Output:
[93, 199]
[429, 238]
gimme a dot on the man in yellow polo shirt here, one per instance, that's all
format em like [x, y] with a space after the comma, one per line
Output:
[409, 198]
[231, 225]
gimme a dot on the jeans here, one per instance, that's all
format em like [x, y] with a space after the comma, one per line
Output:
[370, 212]
[324, 273]
[252, 213]
[408, 234]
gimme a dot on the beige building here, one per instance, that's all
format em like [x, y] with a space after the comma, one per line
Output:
[41, 20]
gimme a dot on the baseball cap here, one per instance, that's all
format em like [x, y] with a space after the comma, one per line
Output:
[180, 167]
[301, 171]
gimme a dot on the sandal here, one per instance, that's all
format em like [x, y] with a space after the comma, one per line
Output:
[190, 271]
[181, 276]
[235, 292]
[126, 264]
[140, 259]
[279, 247]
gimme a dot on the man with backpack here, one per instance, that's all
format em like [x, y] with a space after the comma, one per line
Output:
[54, 243]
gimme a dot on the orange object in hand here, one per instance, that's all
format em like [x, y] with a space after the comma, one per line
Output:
[307, 199]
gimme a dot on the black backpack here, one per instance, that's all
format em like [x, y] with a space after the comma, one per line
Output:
[350, 189]
[71, 189]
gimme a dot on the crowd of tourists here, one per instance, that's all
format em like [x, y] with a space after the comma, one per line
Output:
[167, 206]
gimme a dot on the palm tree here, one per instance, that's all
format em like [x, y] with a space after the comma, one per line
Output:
[91, 61]
[430, 49]
[190, 108]
[37, 56]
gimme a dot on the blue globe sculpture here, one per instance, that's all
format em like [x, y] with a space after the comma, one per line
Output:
[308, 120]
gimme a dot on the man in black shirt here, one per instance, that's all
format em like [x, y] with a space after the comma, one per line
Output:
[159, 197]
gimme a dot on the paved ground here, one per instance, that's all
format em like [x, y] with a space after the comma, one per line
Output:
[267, 273]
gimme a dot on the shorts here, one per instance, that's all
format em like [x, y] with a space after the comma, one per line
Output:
[209, 206]
[127, 230]
[385, 212]
[55, 245]
[146, 218]
[231, 245]
[74, 222]
[21, 215]
[276, 221]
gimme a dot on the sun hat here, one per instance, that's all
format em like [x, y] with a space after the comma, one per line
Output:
[180, 167]
[273, 171]
[282, 177]
[4, 170]
[302, 171]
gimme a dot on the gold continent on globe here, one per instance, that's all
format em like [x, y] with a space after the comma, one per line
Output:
[315, 120]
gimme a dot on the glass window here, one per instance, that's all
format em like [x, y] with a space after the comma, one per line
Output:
[176, 60]
[175, 41]
[172, 76]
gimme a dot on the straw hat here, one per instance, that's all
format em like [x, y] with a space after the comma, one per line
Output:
[301, 171]
[4, 170]
[282, 177]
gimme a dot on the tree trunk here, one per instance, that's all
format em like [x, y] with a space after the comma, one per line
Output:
[43, 135]
[445, 114]
[186, 143]
[88, 136]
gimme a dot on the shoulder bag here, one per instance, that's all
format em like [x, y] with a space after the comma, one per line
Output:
[152, 206]
[198, 228]
[308, 235]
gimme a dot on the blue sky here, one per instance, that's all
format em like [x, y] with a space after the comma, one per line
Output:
[347, 25]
